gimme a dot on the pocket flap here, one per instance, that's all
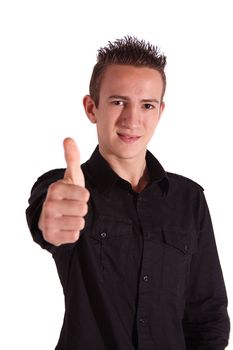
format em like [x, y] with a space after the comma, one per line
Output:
[179, 239]
[111, 227]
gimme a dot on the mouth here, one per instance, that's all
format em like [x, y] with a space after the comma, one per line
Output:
[128, 138]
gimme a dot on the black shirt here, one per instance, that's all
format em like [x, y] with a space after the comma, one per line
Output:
[145, 272]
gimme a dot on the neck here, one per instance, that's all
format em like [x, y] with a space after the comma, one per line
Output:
[139, 185]
[131, 170]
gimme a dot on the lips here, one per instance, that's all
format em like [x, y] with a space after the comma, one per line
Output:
[128, 138]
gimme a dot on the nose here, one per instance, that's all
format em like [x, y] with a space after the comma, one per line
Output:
[130, 117]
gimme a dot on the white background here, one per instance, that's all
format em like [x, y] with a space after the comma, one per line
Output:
[48, 49]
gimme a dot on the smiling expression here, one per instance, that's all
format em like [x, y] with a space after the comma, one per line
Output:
[129, 110]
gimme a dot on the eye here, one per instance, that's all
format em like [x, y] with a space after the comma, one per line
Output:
[148, 106]
[118, 103]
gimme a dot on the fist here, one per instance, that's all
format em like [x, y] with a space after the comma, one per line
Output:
[63, 211]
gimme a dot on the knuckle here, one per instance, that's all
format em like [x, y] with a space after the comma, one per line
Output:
[48, 207]
[84, 209]
[69, 237]
[54, 189]
[81, 223]
[49, 236]
[75, 236]
[47, 222]
[80, 209]
[56, 238]
[86, 194]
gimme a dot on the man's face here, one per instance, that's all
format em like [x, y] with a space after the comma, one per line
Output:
[129, 110]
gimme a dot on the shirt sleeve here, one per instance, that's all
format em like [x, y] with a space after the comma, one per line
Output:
[206, 323]
[36, 200]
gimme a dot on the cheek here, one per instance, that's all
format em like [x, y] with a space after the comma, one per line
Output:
[150, 124]
[104, 127]
[107, 121]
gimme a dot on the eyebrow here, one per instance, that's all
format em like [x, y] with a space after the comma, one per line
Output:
[127, 98]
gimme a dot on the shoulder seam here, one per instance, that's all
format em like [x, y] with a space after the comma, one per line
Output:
[186, 179]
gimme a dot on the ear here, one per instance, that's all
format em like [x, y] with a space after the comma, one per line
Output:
[90, 109]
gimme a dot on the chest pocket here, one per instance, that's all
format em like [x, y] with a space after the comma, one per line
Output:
[179, 246]
[112, 239]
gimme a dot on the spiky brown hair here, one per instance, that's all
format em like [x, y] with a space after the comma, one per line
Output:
[126, 51]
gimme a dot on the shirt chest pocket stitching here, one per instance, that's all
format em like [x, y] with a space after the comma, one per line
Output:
[182, 241]
[109, 235]
[178, 249]
[106, 228]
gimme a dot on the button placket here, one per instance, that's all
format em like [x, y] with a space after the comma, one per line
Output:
[103, 236]
[144, 295]
[145, 285]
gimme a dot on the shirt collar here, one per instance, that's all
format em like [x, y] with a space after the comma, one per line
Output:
[101, 174]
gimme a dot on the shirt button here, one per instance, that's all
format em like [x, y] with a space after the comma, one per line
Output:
[145, 278]
[186, 247]
[103, 234]
[142, 321]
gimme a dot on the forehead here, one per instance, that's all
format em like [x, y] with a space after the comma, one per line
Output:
[127, 78]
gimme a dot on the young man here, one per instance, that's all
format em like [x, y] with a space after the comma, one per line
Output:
[133, 244]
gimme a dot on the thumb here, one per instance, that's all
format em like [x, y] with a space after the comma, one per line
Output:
[73, 173]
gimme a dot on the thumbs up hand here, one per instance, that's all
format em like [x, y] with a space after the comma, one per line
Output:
[63, 211]
[73, 174]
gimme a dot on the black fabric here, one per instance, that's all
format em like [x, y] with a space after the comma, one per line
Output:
[145, 273]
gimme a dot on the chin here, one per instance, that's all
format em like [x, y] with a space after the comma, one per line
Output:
[126, 155]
